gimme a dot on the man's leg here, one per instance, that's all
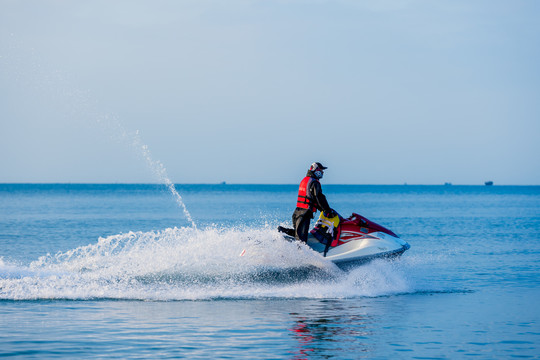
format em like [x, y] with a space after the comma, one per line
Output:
[301, 221]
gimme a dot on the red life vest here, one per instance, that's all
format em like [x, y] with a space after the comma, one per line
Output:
[304, 198]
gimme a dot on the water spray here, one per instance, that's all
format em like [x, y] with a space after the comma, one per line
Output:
[161, 173]
[79, 103]
[134, 140]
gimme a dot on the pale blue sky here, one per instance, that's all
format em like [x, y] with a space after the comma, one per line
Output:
[381, 92]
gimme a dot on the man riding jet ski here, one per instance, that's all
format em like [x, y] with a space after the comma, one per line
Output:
[310, 199]
[346, 242]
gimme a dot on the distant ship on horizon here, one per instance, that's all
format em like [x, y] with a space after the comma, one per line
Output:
[488, 183]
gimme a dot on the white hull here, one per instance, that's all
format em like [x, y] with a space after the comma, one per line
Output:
[361, 249]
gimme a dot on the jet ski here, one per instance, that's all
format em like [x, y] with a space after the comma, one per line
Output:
[352, 241]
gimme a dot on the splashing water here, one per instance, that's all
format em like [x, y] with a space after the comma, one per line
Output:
[161, 173]
[190, 264]
[76, 104]
[116, 130]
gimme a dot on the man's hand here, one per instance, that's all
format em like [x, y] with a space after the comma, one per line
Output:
[330, 214]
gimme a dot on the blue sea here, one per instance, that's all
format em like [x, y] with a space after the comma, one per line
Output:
[119, 271]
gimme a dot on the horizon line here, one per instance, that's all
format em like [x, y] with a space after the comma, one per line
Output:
[258, 184]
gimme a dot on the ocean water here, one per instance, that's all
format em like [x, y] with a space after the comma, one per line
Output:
[119, 271]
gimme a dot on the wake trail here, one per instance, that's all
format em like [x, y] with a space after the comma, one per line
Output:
[202, 264]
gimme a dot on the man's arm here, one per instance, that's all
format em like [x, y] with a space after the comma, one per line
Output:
[320, 199]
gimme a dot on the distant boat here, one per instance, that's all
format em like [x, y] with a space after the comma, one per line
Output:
[447, 184]
[488, 183]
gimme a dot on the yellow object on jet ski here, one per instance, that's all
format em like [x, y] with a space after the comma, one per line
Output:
[330, 223]
[325, 230]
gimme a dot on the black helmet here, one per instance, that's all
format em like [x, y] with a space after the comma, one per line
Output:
[317, 169]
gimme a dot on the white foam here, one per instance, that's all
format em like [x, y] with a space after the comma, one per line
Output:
[186, 263]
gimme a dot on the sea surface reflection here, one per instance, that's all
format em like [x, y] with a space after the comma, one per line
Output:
[329, 327]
